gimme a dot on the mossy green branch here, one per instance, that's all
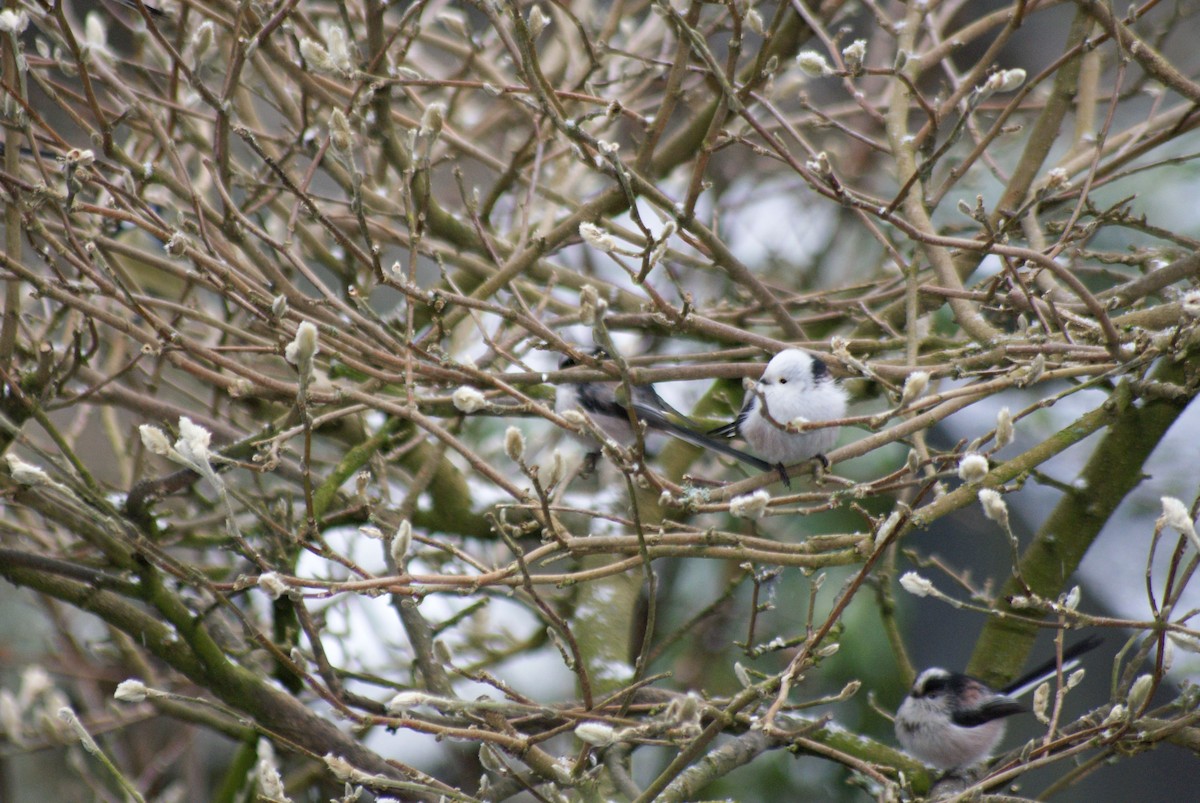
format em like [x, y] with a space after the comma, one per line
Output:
[240, 689]
[353, 461]
[450, 510]
[1115, 469]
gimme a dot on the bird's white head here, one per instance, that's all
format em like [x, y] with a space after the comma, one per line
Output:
[796, 369]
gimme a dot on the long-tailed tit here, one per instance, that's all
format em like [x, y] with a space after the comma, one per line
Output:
[605, 404]
[795, 385]
[953, 721]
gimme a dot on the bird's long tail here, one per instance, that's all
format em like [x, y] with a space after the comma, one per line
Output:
[656, 420]
[1070, 660]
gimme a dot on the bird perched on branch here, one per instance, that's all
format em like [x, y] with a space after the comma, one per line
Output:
[795, 387]
[953, 721]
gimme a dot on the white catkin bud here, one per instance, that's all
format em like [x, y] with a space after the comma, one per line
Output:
[81, 158]
[597, 237]
[130, 691]
[1191, 303]
[406, 701]
[1176, 516]
[340, 767]
[993, 506]
[1058, 179]
[455, 22]
[1036, 368]
[272, 584]
[973, 467]
[193, 441]
[754, 21]
[155, 440]
[279, 306]
[339, 49]
[401, 542]
[797, 424]
[304, 346]
[1139, 693]
[202, 41]
[468, 400]
[371, 531]
[750, 506]
[840, 347]
[178, 244]
[914, 386]
[432, 120]
[742, 674]
[13, 22]
[316, 55]
[1020, 602]
[26, 473]
[1004, 428]
[1186, 642]
[1115, 715]
[341, 137]
[514, 444]
[597, 734]
[819, 164]
[67, 715]
[270, 784]
[1041, 701]
[854, 54]
[659, 250]
[916, 585]
[556, 468]
[35, 681]
[829, 650]
[95, 34]
[537, 22]
[1070, 600]
[813, 64]
[1076, 677]
[1007, 80]
[588, 298]
[912, 463]
[574, 417]
[887, 528]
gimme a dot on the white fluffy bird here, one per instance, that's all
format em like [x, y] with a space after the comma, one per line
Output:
[953, 721]
[795, 385]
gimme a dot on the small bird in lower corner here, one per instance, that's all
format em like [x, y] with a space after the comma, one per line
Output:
[953, 721]
[606, 404]
[794, 385]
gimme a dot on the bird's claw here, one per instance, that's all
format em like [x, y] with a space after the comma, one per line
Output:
[783, 475]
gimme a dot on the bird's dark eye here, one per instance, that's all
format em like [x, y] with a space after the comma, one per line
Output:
[783, 380]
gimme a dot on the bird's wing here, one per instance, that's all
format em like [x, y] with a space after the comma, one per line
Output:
[598, 398]
[734, 427]
[647, 402]
[996, 708]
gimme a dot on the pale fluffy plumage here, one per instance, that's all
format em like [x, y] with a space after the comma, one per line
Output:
[926, 726]
[953, 721]
[794, 385]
